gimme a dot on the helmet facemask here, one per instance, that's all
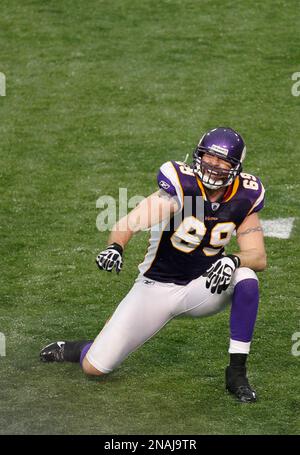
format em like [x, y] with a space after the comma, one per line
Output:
[214, 177]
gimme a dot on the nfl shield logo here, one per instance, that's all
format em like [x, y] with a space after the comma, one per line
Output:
[215, 206]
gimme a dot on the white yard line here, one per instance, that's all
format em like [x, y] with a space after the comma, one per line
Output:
[280, 228]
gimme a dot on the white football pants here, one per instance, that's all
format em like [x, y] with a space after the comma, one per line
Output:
[149, 306]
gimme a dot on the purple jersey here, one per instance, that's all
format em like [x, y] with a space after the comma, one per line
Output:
[184, 247]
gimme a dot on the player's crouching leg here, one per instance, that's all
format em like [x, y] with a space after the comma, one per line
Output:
[244, 309]
[72, 351]
[245, 299]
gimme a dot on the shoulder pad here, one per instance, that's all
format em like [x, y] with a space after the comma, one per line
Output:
[168, 181]
[252, 189]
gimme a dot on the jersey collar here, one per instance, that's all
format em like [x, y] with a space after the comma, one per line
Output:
[200, 184]
[229, 193]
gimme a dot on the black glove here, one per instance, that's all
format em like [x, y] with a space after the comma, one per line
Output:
[110, 258]
[220, 273]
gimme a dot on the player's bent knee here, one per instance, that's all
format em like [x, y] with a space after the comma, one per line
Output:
[89, 369]
[244, 273]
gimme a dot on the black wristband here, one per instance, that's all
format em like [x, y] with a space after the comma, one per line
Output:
[235, 259]
[117, 247]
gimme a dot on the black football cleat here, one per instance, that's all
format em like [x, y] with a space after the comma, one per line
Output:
[237, 383]
[53, 352]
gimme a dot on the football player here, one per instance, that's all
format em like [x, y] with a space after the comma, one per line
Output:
[186, 271]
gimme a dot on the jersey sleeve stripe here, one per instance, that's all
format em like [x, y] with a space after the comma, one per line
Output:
[258, 200]
[178, 186]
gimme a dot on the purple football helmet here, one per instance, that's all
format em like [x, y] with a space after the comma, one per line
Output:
[226, 144]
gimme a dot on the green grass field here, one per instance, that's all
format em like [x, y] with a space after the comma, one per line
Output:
[99, 94]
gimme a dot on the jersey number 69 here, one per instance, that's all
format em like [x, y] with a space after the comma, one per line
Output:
[190, 233]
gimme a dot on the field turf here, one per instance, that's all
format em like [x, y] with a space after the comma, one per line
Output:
[99, 94]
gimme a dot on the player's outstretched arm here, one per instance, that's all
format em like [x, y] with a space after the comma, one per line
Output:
[250, 239]
[156, 208]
